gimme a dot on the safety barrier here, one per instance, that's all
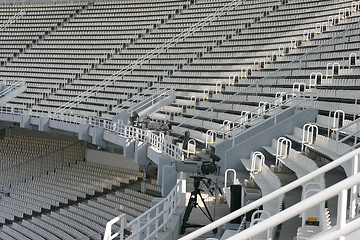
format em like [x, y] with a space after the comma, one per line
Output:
[354, 127]
[11, 88]
[152, 99]
[343, 227]
[152, 221]
[155, 92]
[295, 99]
[12, 20]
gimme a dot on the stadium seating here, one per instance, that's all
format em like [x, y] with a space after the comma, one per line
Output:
[231, 74]
[81, 199]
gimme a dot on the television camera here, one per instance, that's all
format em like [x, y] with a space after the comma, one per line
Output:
[207, 165]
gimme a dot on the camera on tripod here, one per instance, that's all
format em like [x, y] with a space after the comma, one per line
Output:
[206, 165]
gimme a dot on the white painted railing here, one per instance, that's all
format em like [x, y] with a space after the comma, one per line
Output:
[11, 88]
[295, 99]
[354, 129]
[152, 99]
[12, 20]
[341, 188]
[134, 98]
[156, 141]
[149, 137]
[151, 222]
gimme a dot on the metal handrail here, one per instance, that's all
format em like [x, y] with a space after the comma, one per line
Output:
[12, 19]
[170, 203]
[296, 97]
[354, 135]
[163, 210]
[351, 181]
[154, 97]
[148, 56]
[339, 189]
[11, 88]
[130, 100]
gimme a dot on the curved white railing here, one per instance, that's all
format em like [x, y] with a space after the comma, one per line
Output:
[351, 182]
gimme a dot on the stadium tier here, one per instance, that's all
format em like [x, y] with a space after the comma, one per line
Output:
[254, 101]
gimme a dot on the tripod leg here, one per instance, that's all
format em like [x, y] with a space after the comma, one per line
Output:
[206, 208]
[189, 207]
[208, 212]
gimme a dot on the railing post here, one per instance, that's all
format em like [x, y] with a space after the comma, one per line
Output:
[135, 228]
[166, 214]
[341, 212]
[354, 189]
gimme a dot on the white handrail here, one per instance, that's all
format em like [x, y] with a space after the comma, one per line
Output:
[167, 148]
[154, 97]
[298, 98]
[278, 193]
[339, 189]
[11, 88]
[355, 134]
[12, 19]
[226, 176]
[150, 226]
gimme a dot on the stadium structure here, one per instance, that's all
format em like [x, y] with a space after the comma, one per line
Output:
[130, 119]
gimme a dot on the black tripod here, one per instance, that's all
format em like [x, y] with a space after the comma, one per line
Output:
[193, 204]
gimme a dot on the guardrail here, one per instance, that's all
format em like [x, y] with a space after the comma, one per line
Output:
[124, 104]
[152, 99]
[354, 127]
[148, 56]
[351, 182]
[158, 142]
[11, 88]
[295, 99]
[152, 221]
[12, 20]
